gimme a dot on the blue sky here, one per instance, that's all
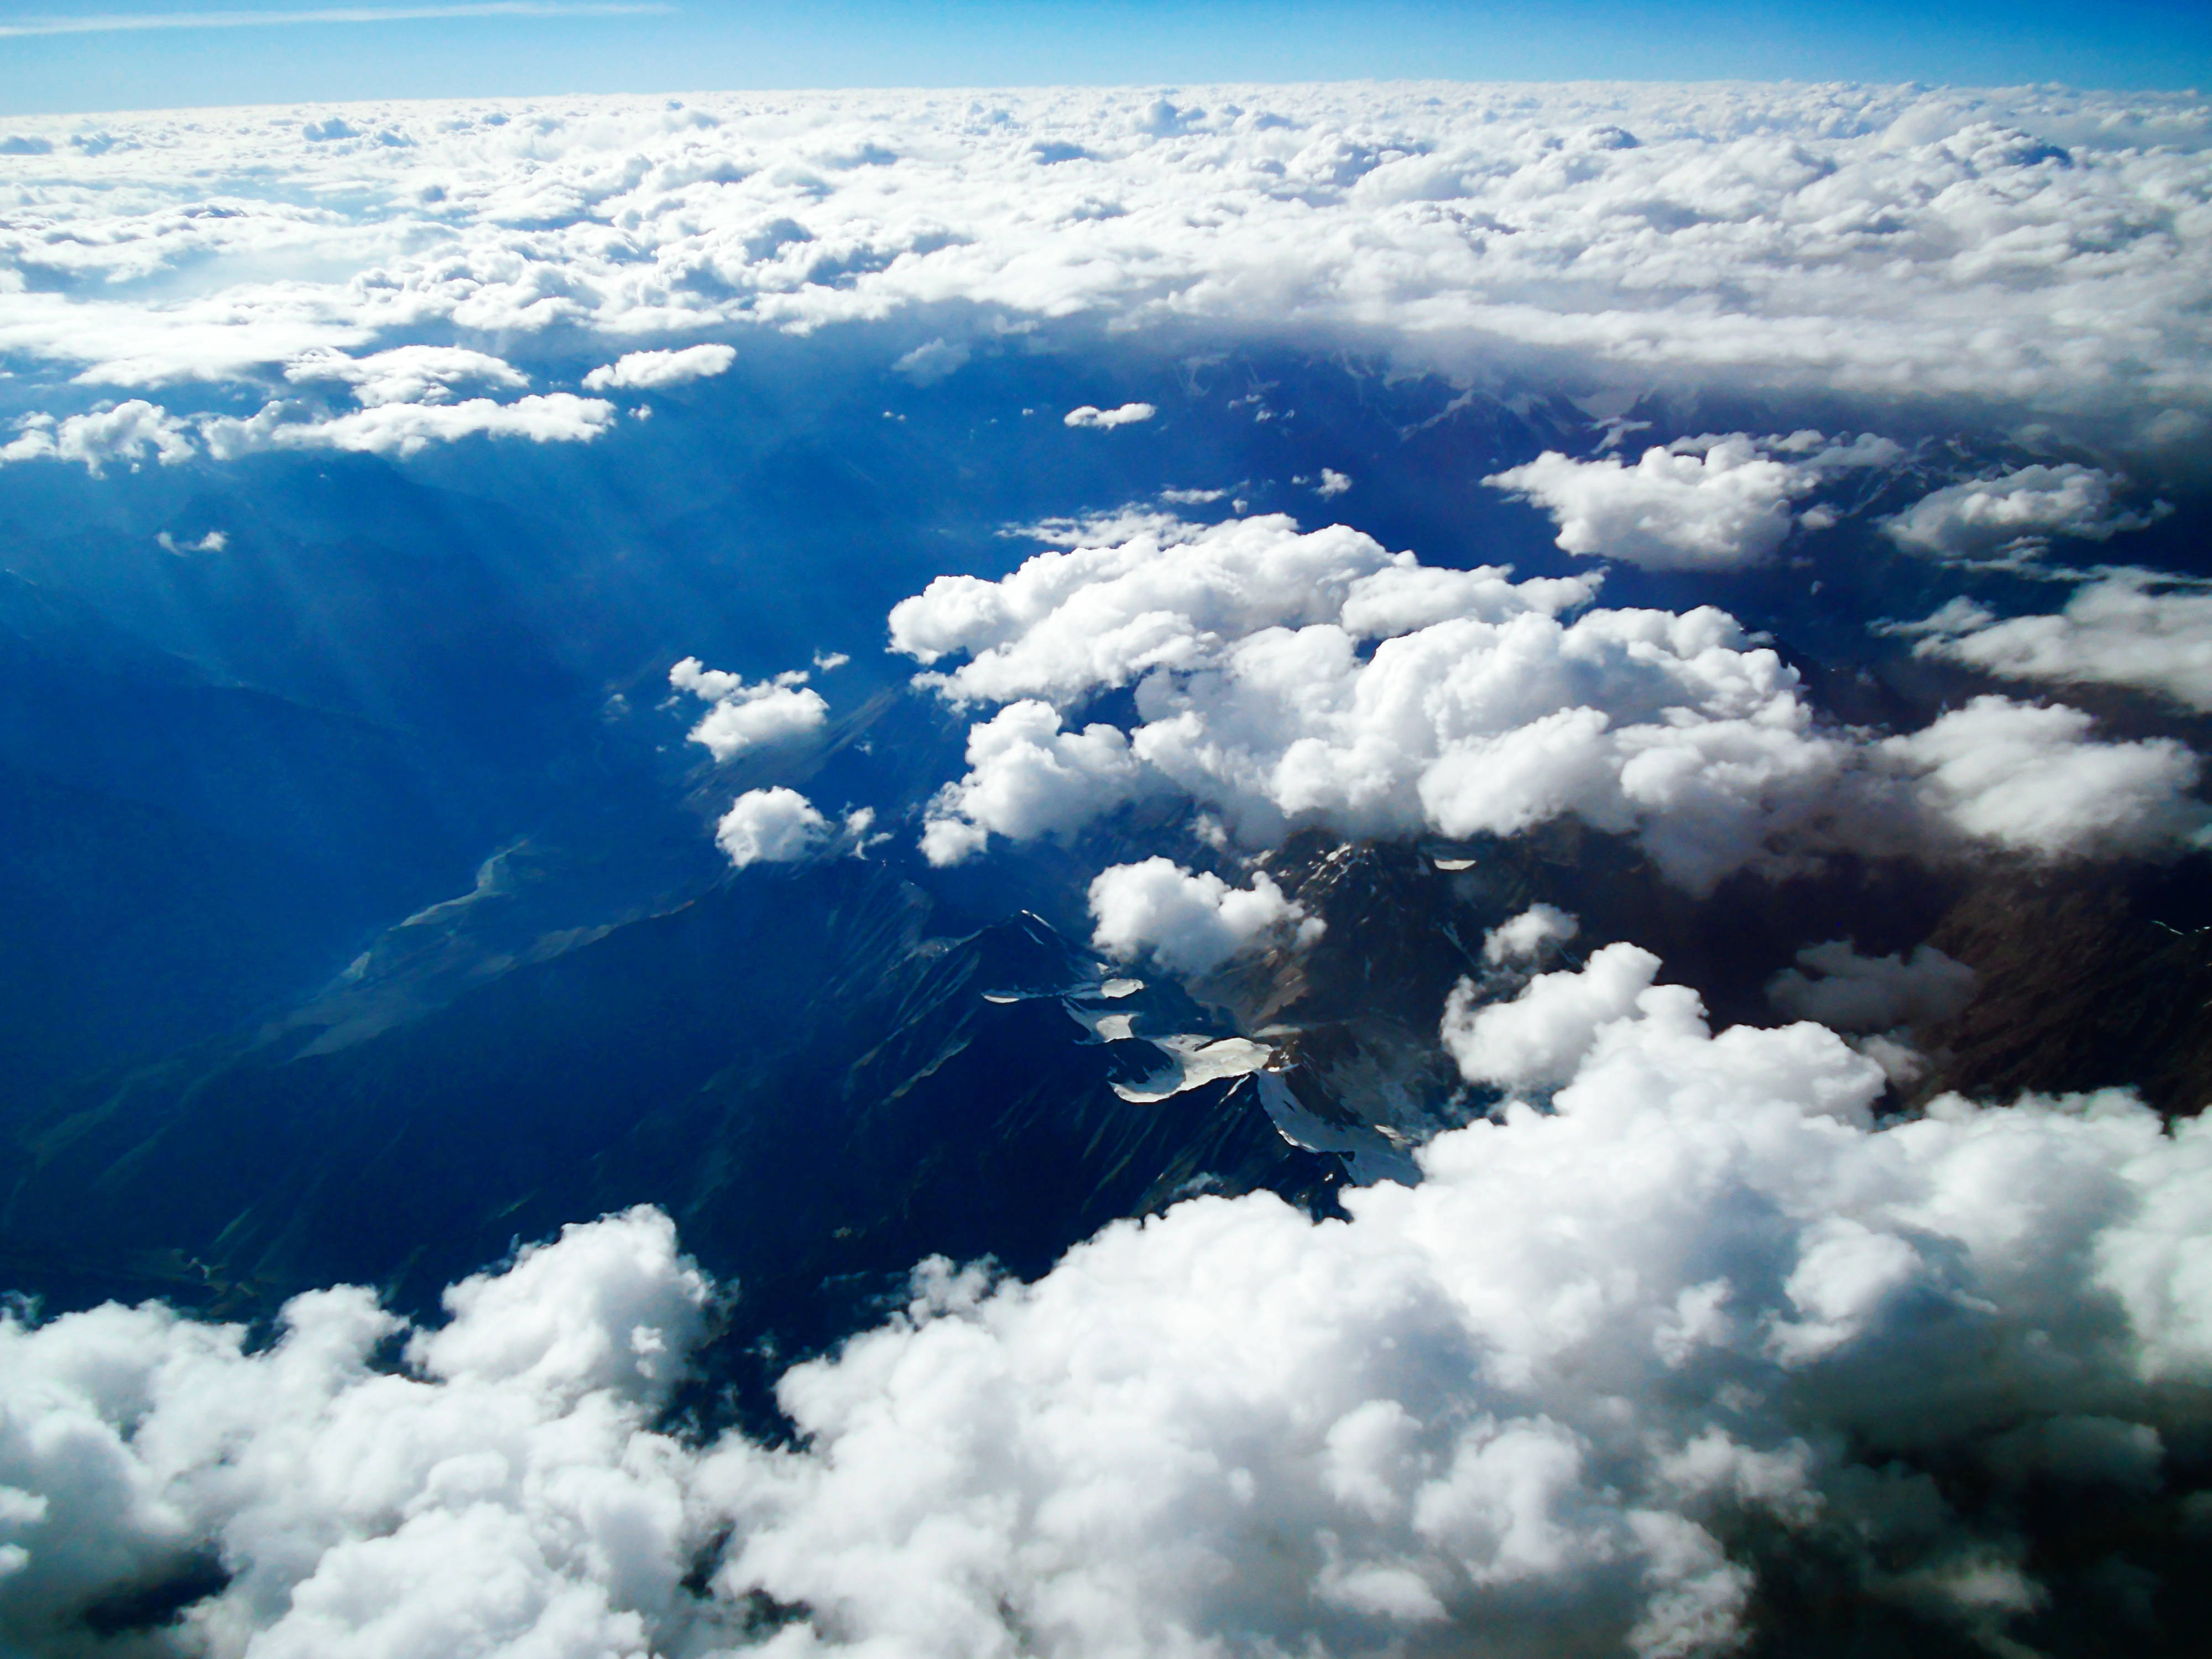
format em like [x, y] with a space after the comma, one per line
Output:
[125, 54]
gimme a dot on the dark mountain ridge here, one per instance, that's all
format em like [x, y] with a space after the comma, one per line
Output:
[795, 1066]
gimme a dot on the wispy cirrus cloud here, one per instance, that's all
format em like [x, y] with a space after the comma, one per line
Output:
[126, 22]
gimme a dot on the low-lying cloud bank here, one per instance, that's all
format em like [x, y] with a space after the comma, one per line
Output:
[2035, 245]
[2018, 512]
[1610, 1375]
[1285, 678]
[2126, 627]
[134, 430]
[501, 1492]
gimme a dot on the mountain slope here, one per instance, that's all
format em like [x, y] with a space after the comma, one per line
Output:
[816, 1087]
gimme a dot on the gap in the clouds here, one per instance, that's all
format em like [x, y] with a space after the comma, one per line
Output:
[140, 1610]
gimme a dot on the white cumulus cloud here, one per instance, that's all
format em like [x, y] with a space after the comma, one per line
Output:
[2030, 779]
[127, 432]
[1608, 1365]
[651, 370]
[1481, 711]
[1539, 1038]
[406, 429]
[135, 429]
[1707, 1299]
[1126, 414]
[1172, 595]
[749, 716]
[2019, 510]
[1712, 503]
[406, 374]
[1523, 938]
[2113, 631]
[932, 361]
[1188, 922]
[503, 1490]
[1027, 778]
[774, 826]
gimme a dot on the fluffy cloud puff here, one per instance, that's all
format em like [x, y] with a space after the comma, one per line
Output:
[1708, 504]
[2017, 512]
[1565, 1395]
[2114, 631]
[1537, 1039]
[1091, 415]
[1027, 778]
[1524, 937]
[651, 370]
[749, 716]
[771, 826]
[1479, 711]
[2036, 245]
[1191, 922]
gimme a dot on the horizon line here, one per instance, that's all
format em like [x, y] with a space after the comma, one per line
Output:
[136, 23]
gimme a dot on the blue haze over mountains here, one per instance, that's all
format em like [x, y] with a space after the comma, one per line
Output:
[408, 729]
[407, 733]
[366, 918]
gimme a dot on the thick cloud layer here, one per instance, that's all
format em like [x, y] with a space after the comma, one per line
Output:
[1479, 711]
[1675, 1314]
[2037, 245]
[503, 1495]
[1605, 1368]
